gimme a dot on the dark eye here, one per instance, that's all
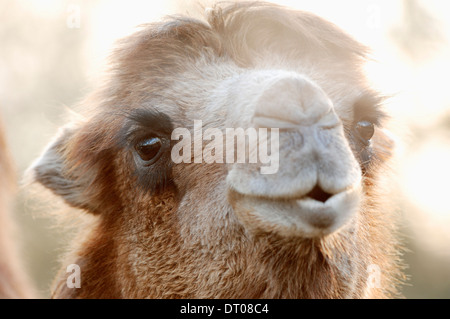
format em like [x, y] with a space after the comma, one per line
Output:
[364, 130]
[149, 149]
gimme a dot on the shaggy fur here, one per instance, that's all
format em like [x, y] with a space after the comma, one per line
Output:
[171, 230]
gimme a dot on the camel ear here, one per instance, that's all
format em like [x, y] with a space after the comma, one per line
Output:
[51, 171]
[74, 170]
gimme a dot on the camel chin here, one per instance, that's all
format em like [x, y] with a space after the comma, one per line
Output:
[304, 217]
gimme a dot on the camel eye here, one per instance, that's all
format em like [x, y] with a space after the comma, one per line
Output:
[365, 131]
[149, 149]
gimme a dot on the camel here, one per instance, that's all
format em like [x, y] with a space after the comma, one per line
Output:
[318, 227]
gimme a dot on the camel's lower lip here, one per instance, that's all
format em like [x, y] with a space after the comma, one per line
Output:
[304, 217]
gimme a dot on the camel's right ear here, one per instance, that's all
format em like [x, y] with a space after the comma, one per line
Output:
[71, 168]
[51, 171]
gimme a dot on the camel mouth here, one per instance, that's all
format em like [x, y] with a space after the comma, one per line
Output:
[318, 194]
[316, 214]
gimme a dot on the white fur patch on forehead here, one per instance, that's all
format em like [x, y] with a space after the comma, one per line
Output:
[250, 28]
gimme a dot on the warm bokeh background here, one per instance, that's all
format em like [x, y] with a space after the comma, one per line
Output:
[51, 52]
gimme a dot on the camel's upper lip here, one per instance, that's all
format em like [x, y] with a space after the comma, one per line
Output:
[316, 194]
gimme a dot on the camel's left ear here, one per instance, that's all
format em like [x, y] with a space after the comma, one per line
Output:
[73, 167]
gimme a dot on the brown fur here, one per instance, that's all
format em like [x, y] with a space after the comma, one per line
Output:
[185, 241]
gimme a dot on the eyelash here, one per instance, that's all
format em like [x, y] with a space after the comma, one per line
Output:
[138, 134]
[373, 116]
[368, 108]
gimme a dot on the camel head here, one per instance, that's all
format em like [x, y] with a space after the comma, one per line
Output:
[210, 140]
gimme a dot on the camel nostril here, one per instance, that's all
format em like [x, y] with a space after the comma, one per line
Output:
[319, 194]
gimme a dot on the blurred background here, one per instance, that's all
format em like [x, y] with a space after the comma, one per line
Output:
[51, 52]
